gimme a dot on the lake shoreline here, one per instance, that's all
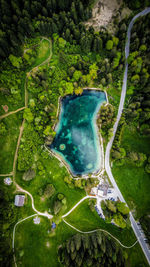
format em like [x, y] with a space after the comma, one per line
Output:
[100, 140]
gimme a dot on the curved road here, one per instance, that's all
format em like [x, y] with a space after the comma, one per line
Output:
[82, 199]
[109, 145]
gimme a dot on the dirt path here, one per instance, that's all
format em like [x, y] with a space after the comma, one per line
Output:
[11, 112]
[19, 188]
[14, 231]
[76, 205]
[8, 174]
[101, 230]
[17, 148]
[26, 104]
[21, 132]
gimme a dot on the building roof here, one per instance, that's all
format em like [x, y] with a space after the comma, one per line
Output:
[19, 200]
[36, 220]
[103, 188]
[5, 108]
[94, 190]
[7, 181]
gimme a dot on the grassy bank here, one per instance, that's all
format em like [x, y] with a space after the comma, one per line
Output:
[9, 141]
[134, 182]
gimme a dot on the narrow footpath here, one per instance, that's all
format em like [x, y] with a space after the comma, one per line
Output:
[11, 112]
[19, 188]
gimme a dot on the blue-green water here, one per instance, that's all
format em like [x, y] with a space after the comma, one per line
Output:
[76, 139]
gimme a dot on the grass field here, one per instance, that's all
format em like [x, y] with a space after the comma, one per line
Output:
[131, 139]
[39, 248]
[9, 141]
[35, 246]
[134, 182]
[43, 51]
[55, 175]
[11, 106]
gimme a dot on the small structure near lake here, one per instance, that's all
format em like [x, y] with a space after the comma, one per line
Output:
[102, 190]
[36, 220]
[19, 200]
[94, 191]
[53, 225]
[8, 181]
[5, 108]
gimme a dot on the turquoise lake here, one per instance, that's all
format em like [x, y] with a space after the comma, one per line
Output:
[77, 141]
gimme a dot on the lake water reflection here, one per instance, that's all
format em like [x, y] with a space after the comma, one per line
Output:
[76, 140]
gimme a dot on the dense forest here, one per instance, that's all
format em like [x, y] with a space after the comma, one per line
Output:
[137, 4]
[91, 250]
[22, 19]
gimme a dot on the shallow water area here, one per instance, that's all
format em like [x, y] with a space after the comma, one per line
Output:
[77, 141]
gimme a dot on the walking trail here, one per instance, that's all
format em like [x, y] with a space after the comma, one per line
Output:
[101, 230]
[14, 231]
[8, 174]
[89, 232]
[19, 188]
[11, 112]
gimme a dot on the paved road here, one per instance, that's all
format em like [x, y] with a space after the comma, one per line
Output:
[109, 145]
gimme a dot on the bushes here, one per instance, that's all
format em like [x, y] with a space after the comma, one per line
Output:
[106, 119]
[59, 204]
[116, 211]
[109, 45]
[49, 190]
[30, 143]
[137, 158]
[3, 130]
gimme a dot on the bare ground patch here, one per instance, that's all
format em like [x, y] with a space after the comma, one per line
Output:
[103, 13]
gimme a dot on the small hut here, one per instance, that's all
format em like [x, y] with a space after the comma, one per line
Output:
[19, 200]
[7, 181]
[5, 108]
[36, 220]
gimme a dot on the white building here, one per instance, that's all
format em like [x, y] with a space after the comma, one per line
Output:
[19, 200]
[7, 181]
[94, 191]
[36, 220]
[102, 190]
